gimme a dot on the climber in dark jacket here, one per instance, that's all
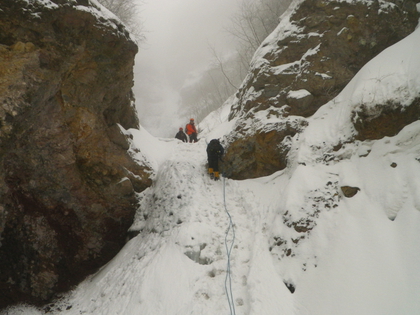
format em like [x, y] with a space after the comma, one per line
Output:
[181, 135]
[215, 152]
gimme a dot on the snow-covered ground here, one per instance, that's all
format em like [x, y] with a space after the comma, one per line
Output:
[355, 260]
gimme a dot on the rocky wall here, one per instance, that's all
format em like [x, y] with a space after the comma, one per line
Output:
[67, 181]
[316, 50]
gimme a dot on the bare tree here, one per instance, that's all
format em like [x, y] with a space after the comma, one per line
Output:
[128, 12]
[219, 62]
[253, 22]
[210, 90]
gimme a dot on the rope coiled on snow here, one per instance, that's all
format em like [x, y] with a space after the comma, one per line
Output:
[228, 279]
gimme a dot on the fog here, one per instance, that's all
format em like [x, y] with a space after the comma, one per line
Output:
[178, 35]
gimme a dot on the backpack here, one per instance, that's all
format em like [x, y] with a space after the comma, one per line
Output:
[215, 147]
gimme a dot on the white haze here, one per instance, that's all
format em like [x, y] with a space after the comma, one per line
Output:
[178, 33]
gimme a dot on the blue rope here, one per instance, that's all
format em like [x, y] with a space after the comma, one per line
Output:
[228, 279]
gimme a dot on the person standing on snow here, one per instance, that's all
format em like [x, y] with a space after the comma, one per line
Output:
[181, 135]
[214, 153]
[191, 131]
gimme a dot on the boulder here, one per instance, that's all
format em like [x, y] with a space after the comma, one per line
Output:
[67, 182]
[385, 120]
[312, 55]
[349, 191]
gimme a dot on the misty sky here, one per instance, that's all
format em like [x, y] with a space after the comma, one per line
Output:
[178, 35]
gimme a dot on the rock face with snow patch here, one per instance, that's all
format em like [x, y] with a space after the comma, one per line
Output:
[67, 181]
[315, 51]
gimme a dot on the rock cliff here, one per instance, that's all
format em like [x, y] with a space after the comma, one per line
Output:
[315, 51]
[67, 179]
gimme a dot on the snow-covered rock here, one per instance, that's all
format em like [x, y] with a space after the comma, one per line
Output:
[67, 181]
[317, 48]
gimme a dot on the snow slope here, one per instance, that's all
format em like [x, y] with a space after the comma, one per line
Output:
[356, 260]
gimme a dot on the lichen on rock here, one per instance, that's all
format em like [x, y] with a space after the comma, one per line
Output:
[318, 47]
[67, 181]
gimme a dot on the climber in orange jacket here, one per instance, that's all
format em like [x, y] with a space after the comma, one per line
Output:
[191, 131]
